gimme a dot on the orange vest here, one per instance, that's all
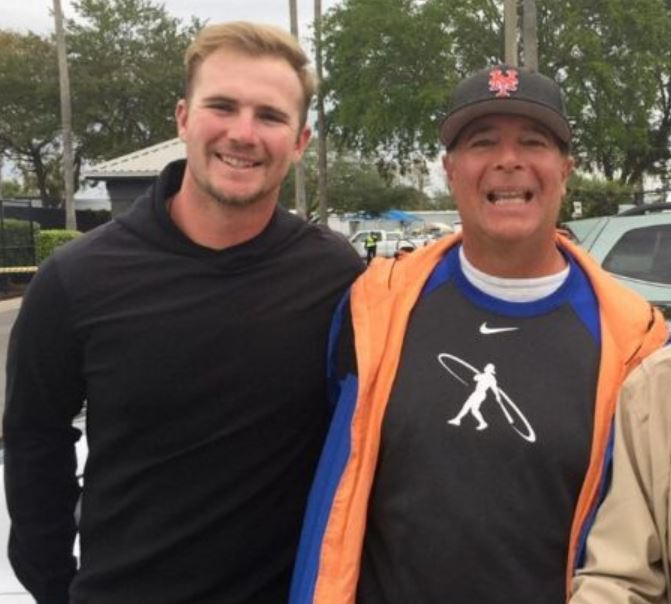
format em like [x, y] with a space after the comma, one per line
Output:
[381, 302]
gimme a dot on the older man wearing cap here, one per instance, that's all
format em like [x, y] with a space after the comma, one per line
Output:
[410, 506]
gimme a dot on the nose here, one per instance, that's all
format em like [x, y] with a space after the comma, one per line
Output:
[241, 128]
[509, 158]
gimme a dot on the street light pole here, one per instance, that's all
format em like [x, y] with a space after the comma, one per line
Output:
[299, 169]
[321, 120]
[510, 31]
[530, 35]
[66, 120]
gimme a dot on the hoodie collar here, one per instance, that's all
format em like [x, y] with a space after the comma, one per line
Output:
[148, 217]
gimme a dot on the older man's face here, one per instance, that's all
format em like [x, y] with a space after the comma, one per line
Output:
[508, 177]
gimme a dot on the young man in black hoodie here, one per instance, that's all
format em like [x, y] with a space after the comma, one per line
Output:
[195, 328]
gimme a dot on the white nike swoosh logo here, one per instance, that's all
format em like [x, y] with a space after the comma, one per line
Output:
[486, 331]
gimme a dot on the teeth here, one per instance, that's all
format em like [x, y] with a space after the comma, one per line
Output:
[236, 162]
[509, 197]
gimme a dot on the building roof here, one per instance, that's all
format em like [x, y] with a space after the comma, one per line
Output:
[145, 163]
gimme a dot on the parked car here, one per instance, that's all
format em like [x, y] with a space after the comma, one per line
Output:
[635, 246]
[388, 242]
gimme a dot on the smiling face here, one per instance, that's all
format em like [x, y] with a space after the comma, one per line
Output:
[508, 177]
[241, 126]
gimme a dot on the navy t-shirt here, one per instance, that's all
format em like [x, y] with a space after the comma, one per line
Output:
[485, 443]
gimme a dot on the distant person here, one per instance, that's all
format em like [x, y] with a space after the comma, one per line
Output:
[628, 558]
[407, 507]
[371, 247]
[195, 328]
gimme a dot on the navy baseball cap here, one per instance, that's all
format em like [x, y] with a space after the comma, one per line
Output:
[507, 90]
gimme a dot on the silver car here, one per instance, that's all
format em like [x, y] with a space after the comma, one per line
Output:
[635, 246]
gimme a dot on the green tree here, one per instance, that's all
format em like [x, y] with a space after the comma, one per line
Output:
[392, 63]
[29, 119]
[597, 196]
[10, 188]
[353, 185]
[127, 74]
[614, 61]
[126, 70]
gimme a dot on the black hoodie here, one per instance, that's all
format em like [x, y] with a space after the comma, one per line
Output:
[203, 374]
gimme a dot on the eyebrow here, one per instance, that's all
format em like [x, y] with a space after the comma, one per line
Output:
[471, 132]
[485, 127]
[218, 98]
[539, 129]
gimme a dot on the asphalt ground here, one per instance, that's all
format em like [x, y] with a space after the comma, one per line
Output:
[8, 311]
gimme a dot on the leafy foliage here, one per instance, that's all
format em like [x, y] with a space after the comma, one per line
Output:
[49, 240]
[29, 98]
[10, 188]
[126, 58]
[125, 61]
[392, 63]
[614, 61]
[17, 245]
[598, 196]
[353, 184]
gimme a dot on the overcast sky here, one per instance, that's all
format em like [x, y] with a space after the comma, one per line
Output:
[35, 15]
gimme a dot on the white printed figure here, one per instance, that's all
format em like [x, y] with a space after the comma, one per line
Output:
[483, 382]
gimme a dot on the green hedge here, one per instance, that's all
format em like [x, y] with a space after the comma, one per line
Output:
[49, 240]
[17, 242]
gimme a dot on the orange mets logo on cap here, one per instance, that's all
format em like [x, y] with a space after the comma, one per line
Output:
[502, 84]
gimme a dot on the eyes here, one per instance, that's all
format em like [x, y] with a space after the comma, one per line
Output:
[268, 115]
[491, 139]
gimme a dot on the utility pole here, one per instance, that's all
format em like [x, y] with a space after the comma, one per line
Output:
[321, 120]
[530, 35]
[510, 31]
[299, 169]
[66, 120]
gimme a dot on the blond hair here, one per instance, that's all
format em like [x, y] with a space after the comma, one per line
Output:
[255, 40]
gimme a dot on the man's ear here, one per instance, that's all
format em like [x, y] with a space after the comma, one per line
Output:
[181, 117]
[567, 170]
[448, 166]
[569, 164]
[302, 141]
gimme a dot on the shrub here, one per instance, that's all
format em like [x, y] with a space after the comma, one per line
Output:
[599, 197]
[49, 240]
[17, 242]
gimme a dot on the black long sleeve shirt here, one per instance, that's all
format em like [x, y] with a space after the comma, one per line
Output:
[203, 376]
